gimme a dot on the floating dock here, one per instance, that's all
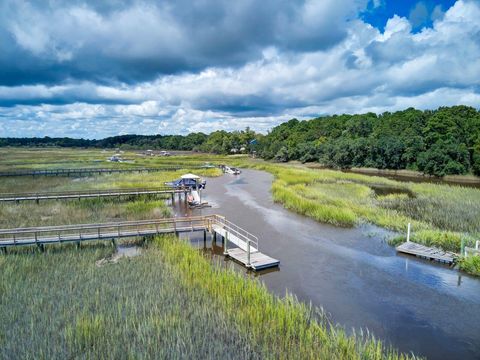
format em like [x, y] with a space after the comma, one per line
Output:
[245, 250]
[246, 246]
[426, 252]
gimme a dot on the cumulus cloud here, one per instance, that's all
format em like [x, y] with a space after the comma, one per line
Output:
[137, 40]
[228, 74]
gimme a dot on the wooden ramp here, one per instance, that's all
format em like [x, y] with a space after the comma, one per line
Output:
[426, 252]
[246, 251]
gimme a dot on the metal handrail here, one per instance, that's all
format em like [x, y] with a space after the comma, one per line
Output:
[79, 232]
[243, 234]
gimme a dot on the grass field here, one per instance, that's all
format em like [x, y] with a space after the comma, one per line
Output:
[169, 302]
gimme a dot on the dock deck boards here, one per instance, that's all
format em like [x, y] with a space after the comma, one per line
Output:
[430, 253]
[258, 260]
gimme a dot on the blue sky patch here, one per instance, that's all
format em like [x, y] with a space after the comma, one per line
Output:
[420, 13]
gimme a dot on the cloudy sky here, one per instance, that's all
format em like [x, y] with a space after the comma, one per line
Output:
[88, 68]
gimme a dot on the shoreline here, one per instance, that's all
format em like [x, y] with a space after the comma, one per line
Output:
[407, 175]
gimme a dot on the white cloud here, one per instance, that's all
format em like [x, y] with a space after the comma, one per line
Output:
[369, 70]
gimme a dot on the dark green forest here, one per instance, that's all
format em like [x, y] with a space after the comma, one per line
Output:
[437, 142]
[440, 142]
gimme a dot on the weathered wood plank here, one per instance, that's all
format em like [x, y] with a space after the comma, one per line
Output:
[427, 252]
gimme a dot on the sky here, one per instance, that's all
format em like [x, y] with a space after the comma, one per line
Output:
[92, 69]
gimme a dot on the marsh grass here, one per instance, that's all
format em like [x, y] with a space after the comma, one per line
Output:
[441, 215]
[93, 210]
[170, 302]
[60, 305]
[470, 265]
[283, 328]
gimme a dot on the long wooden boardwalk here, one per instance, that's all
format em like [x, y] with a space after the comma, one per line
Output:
[244, 245]
[64, 195]
[426, 252]
[89, 171]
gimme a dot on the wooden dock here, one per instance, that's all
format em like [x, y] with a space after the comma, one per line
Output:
[91, 171]
[426, 252]
[65, 195]
[246, 251]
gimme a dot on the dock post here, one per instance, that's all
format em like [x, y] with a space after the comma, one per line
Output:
[214, 237]
[4, 250]
[204, 235]
[477, 243]
[248, 253]
[114, 243]
[79, 244]
[408, 233]
[462, 247]
[225, 247]
[173, 198]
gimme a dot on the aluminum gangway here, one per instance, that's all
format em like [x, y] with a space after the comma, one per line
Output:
[244, 246]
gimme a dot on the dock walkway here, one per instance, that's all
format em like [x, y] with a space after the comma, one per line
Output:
[89, 171]
[245, 248]
[64, 195]
[426, 252]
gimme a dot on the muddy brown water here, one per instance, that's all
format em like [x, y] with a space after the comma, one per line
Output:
[353, 274]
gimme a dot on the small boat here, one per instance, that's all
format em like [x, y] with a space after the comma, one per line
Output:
[188, 181]
[231, 170]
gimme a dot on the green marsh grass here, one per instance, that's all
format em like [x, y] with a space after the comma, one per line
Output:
[440, 214]
[169, 302]
[282, 328]
[470, 265]
[60, 305]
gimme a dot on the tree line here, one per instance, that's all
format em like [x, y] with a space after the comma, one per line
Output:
[437, 142]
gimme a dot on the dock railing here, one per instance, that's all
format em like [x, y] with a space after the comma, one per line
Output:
[87, 193]
[247, 244]
[112, 230]
[92, 170]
